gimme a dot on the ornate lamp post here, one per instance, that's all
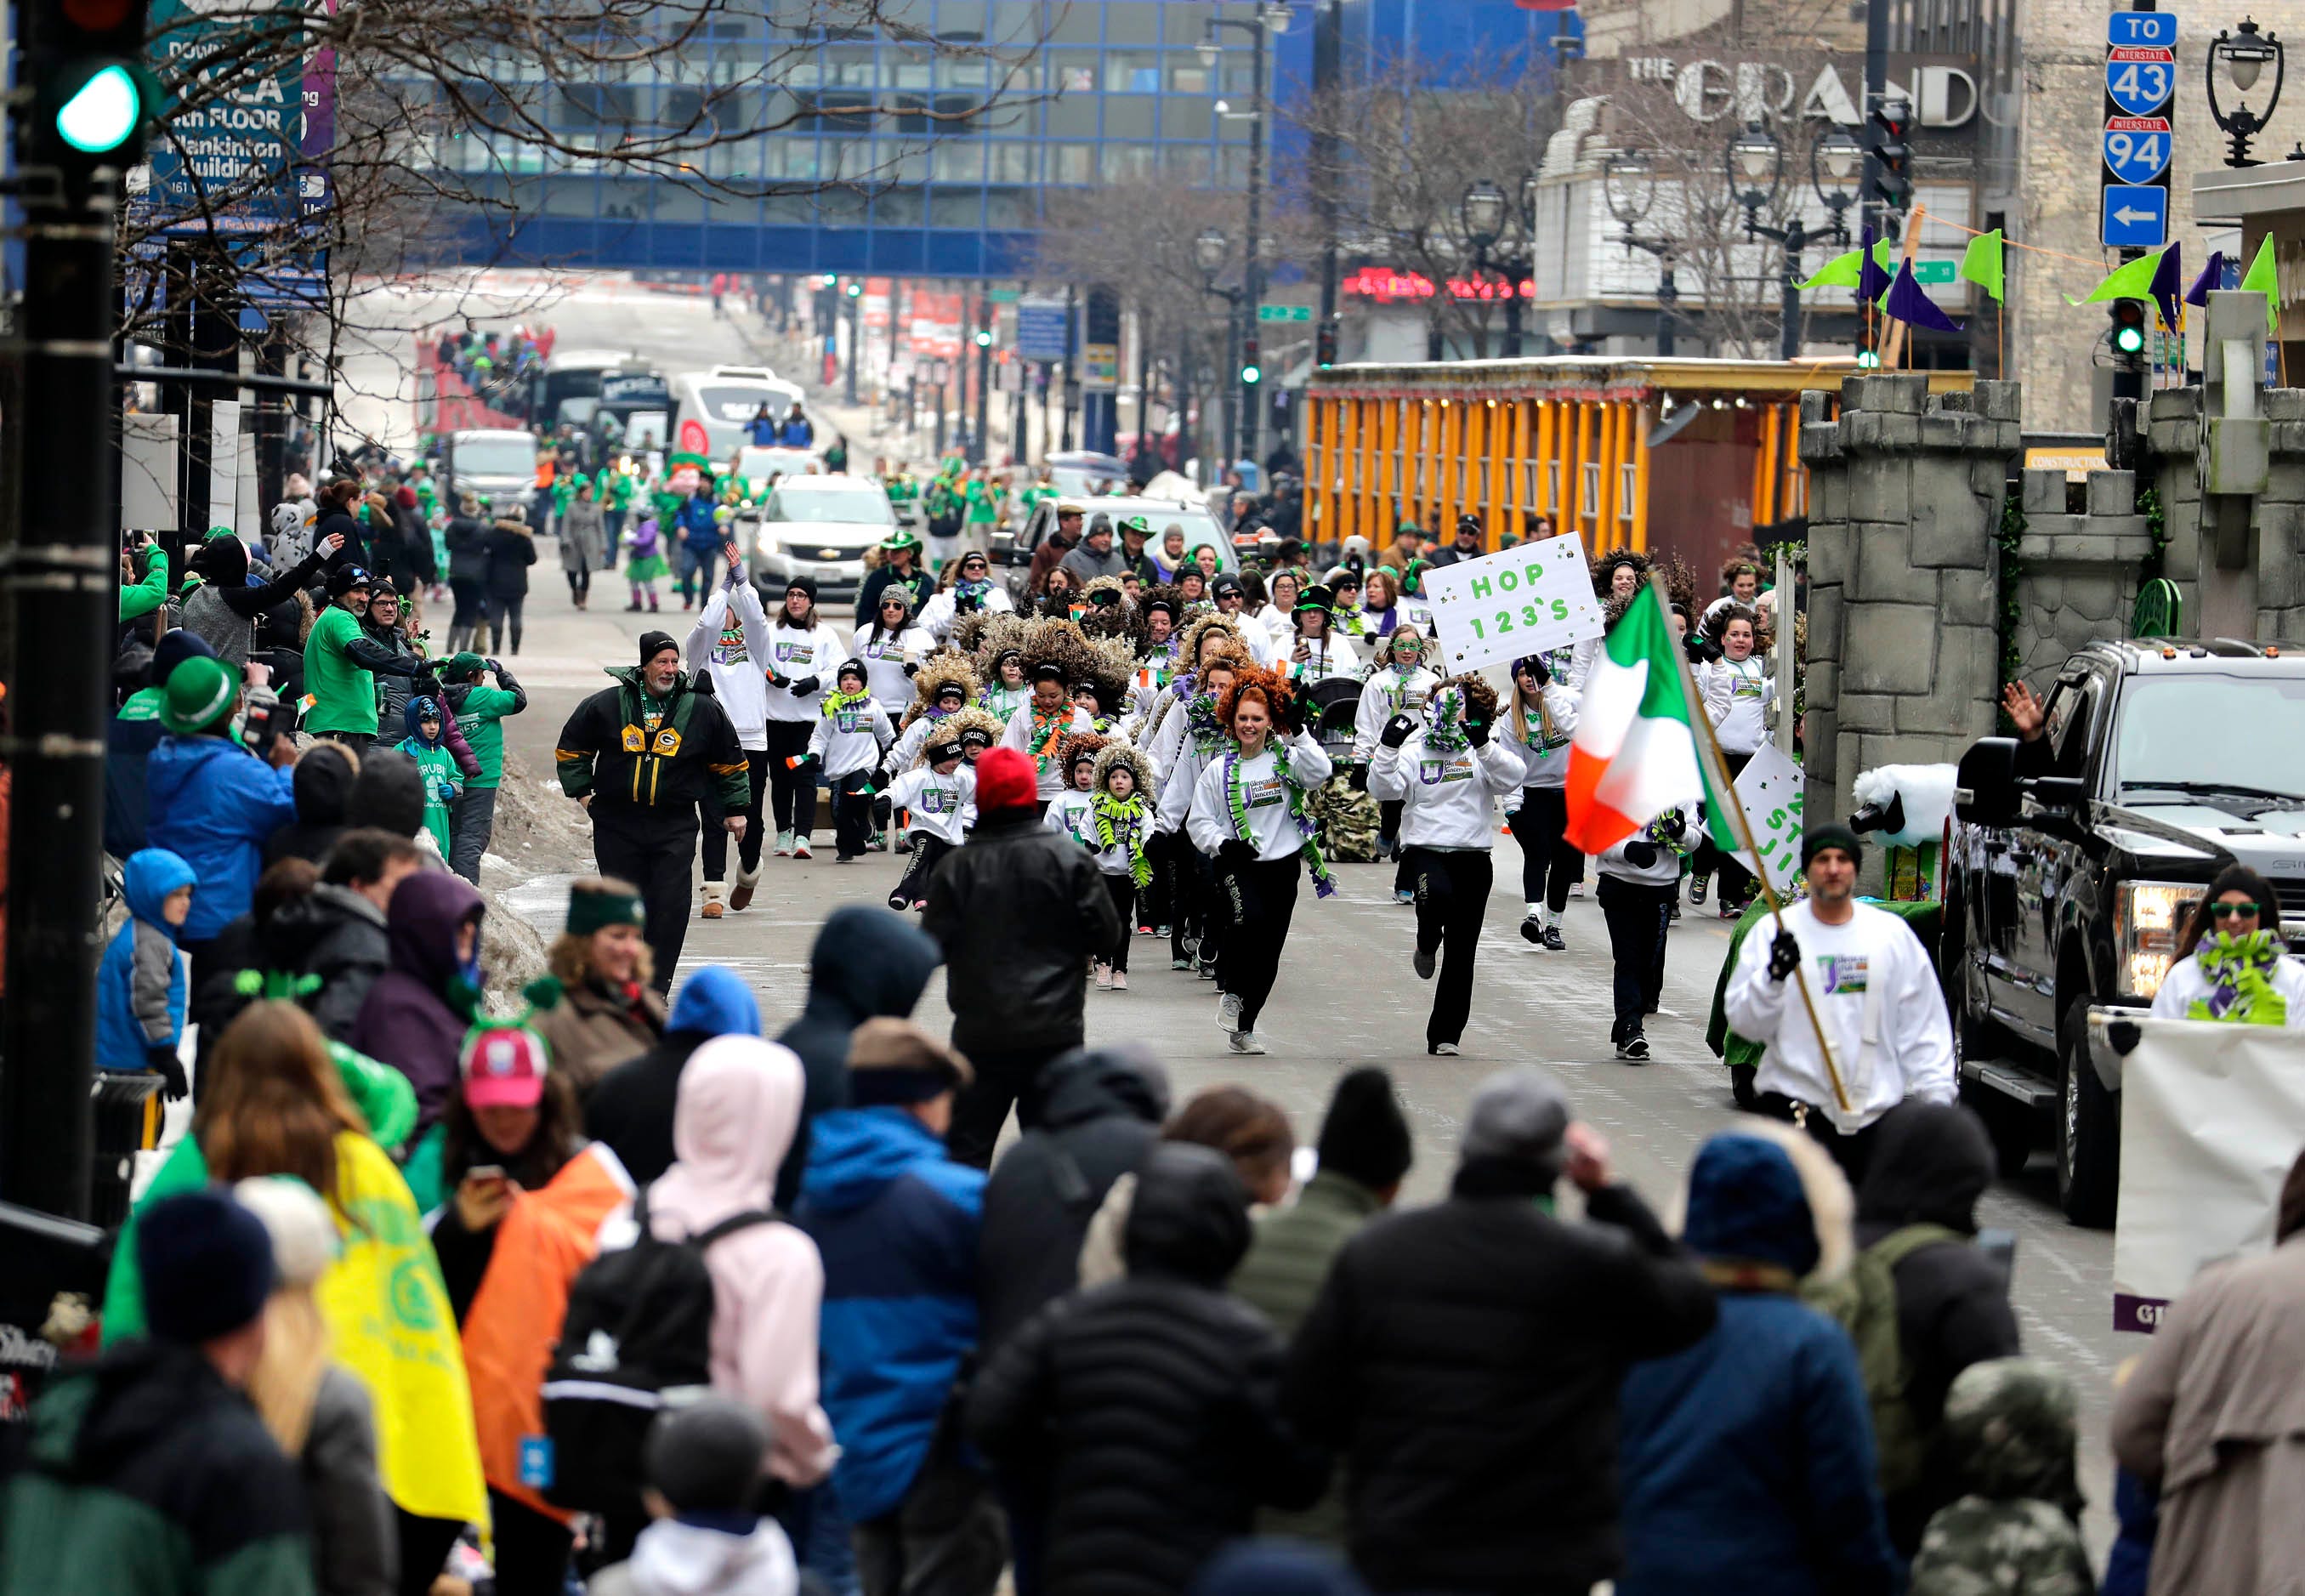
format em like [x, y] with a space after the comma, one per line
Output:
[1629, 188]
[2244, 54]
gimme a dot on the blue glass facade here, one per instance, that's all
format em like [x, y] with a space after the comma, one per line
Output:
[1117, 91]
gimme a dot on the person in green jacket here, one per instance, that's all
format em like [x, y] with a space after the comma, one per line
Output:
[1365, 1154]
[479, 709]
[151, 1471]
[140, 596]
[613, 490]
[443, 784]
[341, 661]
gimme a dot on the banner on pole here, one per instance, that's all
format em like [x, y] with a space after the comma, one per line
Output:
[1518, 601]
[1769, 788]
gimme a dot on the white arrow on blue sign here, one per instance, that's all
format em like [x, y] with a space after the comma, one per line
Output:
[2135, 217]
[2155, 29]
[2139, 79]
[2137, 148]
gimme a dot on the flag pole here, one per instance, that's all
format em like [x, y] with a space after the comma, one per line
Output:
[1708, 755]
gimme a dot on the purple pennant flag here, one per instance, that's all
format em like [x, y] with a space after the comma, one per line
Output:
[1871, 281]
[2213, 276]
[2168, 272]
[1910, 306]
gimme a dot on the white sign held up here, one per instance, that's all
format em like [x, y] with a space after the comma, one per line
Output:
[1770, 789]
[1518, 601]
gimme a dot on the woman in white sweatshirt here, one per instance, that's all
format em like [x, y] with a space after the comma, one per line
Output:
[1640, 877]
[892, 648]
[968, 589]
[1446, 777]
[1398, 685]
[1248, 814]
[1739, 694]
[728, 640]
[1040, 727]
[1189, 710]
[1542, 720]
[802, 654]
[851, 732]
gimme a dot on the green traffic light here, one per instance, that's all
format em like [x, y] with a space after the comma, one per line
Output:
[983, 340]
[2129, 340]
[1867, 359]
[1251, 375]
[103, 113]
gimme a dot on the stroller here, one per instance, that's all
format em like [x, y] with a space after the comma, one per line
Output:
[1346, 816]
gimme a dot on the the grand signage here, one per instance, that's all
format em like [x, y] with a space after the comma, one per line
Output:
[1708, 90]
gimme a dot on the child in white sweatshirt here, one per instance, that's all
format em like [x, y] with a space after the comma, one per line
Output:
[846, 748]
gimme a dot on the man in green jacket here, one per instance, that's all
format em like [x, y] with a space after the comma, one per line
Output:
[1365, 1155]
[340, 665]
[150, 1471]
[141, 596]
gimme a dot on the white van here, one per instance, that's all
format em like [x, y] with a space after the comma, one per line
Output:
[721, 400]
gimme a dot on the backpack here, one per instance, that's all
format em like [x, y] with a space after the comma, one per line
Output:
[1864, 1302]
[637, 1339]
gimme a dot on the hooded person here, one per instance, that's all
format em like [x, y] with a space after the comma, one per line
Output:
[1748, 1457]
[632, 1107]
[726, 646]
[866, 964]
[324, 781]
[435, 766]
[140, 988]
[739, 1104]
[2010, 1428]
[222, 610]
[338, 932]
[1149, 1405]
[417, 1013]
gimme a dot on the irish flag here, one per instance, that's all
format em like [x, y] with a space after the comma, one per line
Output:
[1634, 752]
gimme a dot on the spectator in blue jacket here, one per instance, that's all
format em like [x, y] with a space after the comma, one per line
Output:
[136, 731]
[795, 433]
[761, 430]
[1748, 1457]
[141, 987]
[214, 804]
[896, 1224]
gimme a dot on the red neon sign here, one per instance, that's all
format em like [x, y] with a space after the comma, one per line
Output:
[1389, 287]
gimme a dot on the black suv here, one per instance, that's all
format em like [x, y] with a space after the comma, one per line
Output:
[2077, 860]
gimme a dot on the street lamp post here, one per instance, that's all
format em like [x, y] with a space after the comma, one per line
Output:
[1485, 212]
[1272, 16]
[2244, 53]
[1629, 187]
[1209, 251]
[1755, 156]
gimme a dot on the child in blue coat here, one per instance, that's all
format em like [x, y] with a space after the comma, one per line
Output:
[140, 987]
[443, 783]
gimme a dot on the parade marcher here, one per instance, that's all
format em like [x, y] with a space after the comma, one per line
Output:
[640, 756]
[479, 707]
[1747, 1459]
[1448, 774]
[1871, 989]
[2204, 1418]
[1068, 811]
[1006, 688]
[611, 1008]
[1398, 685]
[1316, 649]
[644, 562]
[416, 1013]
[1640, 877]
[1465, 1359]
[1119, 827]
[728, 640]
[1038, 728]
[2232, 965]
[897, 1223]
[1230, 599]
[1150, 1403]
[632, 1107]
[1186, 738]
[851, 734]
[1248, 815]
[1739, 694]
[2010, 1428]
[1019, 913]
[151, 1471]
[581, 532]
[865, 965]
[932, 797]
[340, 663]
[1542, 721]
[891, 648]
[802, 654]
[943, 688]
[967, 589]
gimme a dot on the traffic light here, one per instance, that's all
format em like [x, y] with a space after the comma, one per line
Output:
[2128, 335]
[93, 94]
[1251, 373]
[1324, 344]
[984, 337]
[832, 279]
[855, 289]
[1892, 130]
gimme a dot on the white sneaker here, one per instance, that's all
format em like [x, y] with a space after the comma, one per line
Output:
[1120, 981]
[784, 844]
[1444, 1049]
[1246, 1041]
[800, 846]
[1104, 978]
[1229, 1012]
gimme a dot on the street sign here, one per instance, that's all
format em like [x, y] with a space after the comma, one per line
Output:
[2152, 29]
[1041, 325]
[227, 165]
[2139, 80]
[1284, 312]
[1933, 271]
[2137, 148]
[1004, 296]
[2135, 217]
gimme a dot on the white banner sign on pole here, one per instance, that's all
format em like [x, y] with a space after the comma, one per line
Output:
[1518, 601]
[1770, 788]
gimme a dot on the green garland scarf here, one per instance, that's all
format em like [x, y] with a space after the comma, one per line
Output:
[1129, 813]
[2240, 982]
[1048, 726]
[1324, 885]
[836, 701]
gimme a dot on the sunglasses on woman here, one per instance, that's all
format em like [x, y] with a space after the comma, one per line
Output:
[2234, 910]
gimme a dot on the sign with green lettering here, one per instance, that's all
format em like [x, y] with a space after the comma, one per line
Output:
[1518, 601]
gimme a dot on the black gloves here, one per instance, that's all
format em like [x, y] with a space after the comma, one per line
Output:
[427, 685]
[1700, 648]
[1640, 852]
[803, 687]
[1358, 778]
[1292, 714]
[912, 669]
[1540, 670]
[1784, 953]
[2124, 1035]
[163, 1062]
[1397, 730]
[967, 604]
[1476, 729]
[1234, 852]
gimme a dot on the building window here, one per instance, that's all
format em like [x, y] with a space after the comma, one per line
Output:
[1073, 165]
[1592, 488]
[1132, 72]
[1185, 163]
[1127, 163]
[1627, 484]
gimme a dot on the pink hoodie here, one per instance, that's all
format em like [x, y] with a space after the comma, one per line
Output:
[739, 1104]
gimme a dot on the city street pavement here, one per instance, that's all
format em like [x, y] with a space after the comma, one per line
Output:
[1346, 994]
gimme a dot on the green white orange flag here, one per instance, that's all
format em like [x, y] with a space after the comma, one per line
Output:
[1634, 752]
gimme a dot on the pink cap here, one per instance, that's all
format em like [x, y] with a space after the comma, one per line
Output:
[504, 1068]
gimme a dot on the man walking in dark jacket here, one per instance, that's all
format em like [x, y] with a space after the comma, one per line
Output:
[1017, 911]
[1465, 1358]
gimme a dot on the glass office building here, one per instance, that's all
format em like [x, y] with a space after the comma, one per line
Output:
[1081, 93]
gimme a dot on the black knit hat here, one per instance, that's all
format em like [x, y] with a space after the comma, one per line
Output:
[1831, 833]
[805, 583]
[1365, 1136]
[653, 643]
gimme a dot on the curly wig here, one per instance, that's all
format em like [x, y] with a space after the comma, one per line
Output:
[1189, 649]
[1604, 569]
[1076, 745]
[1249, 680]
[945, 666]
[1480, 698]
[976, 719]
[985, 637]
[1118, 753]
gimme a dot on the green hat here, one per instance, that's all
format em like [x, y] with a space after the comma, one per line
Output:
[1137, 524]
[904, 537]
[1317, 597]
[673, 463]
[220, 532]
[201, 691]
[462, 663]
[598, 903]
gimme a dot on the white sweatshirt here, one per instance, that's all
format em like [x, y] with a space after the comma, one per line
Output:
[1259, 641]
[1386, 693]
[732, 658]
[1116, 860]
[885, 658]
[2185, 982]
[1546, 764]
[1739, 694]
[1265, 795]
[938, 614]
[1333, 655]
[1664, 871]
[794, 655]
[1448, 799]
[936, 805]
[1877, 998]
[851, 738]
[1068, 813]
[912, 741]
[1020, 736]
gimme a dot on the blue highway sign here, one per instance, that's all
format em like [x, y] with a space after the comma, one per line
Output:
[2136, 217]
[2137, 148]
[2139, 79]
[2155, 29]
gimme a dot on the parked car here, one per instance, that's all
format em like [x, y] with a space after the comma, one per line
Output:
[1200, 529]
[2077, 860]
[820, 526]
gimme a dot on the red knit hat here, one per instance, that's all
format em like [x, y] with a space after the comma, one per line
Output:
[1005, 780]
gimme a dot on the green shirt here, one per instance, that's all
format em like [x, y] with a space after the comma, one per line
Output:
[981, 505]
[149, 594]
[343, 693]
[480, 717]
[437, 767]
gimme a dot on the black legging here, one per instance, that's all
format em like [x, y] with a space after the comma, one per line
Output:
[471, 612]
[1452, 894]
[1153, 901]
[716, 839]
[503, 622]
[1637, 912]
[791, 793]
[852, 812]
[913, 887]
[1123, 889]
[579, 581]
[1549, 866]
[1735, 883]
[1258, 898]
[1188, 895]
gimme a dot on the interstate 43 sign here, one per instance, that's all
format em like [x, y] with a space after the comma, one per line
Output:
[2140, 78]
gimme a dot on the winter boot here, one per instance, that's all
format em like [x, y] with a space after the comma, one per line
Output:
[713, 907]
[747, 880]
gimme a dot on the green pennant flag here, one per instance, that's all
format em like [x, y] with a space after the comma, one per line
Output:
[1981, 263]
[2133, 281]
[1846, 271]
[2261, 277]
